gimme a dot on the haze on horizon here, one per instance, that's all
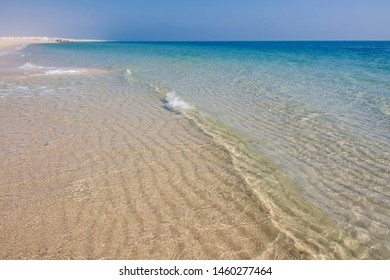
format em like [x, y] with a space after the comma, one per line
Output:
[138, 20]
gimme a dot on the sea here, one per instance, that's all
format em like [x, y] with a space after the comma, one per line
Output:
[305, 125]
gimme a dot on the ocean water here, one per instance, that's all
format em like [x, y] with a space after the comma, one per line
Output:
[306, 124]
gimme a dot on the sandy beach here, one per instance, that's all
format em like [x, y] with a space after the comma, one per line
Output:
[121, 178]
[209, 150]
[7, 43]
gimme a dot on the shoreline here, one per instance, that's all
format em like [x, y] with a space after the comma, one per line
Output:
[7, 43]
[11, 67]
[124, 148]
[99, 166]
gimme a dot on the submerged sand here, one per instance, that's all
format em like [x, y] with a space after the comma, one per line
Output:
[11, 65]
[122, 178]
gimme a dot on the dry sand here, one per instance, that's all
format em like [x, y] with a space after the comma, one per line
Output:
[122, 178]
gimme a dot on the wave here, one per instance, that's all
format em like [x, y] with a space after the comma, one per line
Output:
[21, 47]
[30, 66]
[292, 214]
[175, 102]
[65, 71]
[14, 50]
[52, 70]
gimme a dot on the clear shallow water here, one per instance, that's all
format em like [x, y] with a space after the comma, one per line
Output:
[307, 124]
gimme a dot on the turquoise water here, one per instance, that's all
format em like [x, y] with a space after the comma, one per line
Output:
[317, 112]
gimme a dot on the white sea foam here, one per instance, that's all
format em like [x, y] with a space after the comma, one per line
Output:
[64, 71]
[128, 72]
[176, 102]
[21, 47]
[30, 66]
[13, 51]
[52, 70]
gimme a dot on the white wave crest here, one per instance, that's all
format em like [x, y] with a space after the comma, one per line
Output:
[30, 66]
[64, 71]
[52, 70]
[176, 102]
[21, 47]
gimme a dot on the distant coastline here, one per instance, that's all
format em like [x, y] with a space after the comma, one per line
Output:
[11, 42]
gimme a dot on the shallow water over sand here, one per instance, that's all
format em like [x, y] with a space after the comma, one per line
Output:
[194, 151]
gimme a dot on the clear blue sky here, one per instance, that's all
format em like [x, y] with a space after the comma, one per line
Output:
[198, 19]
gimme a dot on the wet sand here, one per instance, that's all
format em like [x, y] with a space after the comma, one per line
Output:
[122, 178]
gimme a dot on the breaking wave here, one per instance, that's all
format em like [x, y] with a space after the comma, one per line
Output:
[65, 71]
[175, 102]
[30, 66]
[51, 70]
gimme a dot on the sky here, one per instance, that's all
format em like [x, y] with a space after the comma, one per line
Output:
[197, 20]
